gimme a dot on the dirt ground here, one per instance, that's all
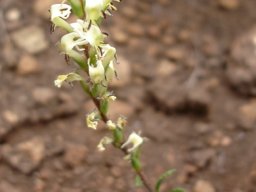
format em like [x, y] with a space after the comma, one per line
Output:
[187, 82]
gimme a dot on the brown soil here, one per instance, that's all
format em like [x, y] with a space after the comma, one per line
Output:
[191, 92]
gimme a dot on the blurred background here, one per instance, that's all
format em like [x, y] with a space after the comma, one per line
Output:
[187, 81]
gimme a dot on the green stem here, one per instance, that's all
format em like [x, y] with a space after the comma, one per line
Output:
[105, 119]
[124, 150]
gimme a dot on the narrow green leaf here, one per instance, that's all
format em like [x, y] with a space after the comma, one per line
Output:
[138, 181]
[85, 87]
[178, 190]
[162, 178]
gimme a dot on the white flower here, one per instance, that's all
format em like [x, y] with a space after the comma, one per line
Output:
[97, 73]
[94, 36]
[92, 120]
[109, 53]
[60, 10]
[60, 80]
[134, 139]
[110, 72]
[71, 40]
[67, 78]
[111, 125]
[80, 27]
[103, 142]
[93, 9]
[87, 33]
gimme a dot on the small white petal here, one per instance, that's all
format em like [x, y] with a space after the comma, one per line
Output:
[80, 27]
[134, 139]
[71, 40]
[97, 73]
[94, 36]
[111, 125]
[60, 80]
[121, 122]
[92, 120]
[103, 142]
[70, 77]
[109, 53]
[60, 10]
[110, 72]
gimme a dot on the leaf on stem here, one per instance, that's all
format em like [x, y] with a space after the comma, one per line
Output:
[162, 178]
[138, 181]
[135, 159]
[177, 190]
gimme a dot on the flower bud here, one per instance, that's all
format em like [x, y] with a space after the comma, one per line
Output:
[94, 36]
[121, 122]
[92, 120]
[93, 9]
[110, 72]
[97, 73]
[109, 53]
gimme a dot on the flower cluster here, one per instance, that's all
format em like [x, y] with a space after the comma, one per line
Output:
[85, 44]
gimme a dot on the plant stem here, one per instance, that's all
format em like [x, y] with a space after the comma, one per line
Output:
[144, 180]
[124, 150]
[105, 119]
[97, 103]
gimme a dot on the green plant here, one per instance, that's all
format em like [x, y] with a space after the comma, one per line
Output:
[85, 44]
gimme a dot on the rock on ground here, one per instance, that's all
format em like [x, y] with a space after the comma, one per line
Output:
[25, 156]
[173, 95]
[44, 95]
[247, 115]
[8, 187]
[31, 43]
[28, 65]
[229, 4]
[241, 72]
[75, 154]
[201, 158]
[203, 186]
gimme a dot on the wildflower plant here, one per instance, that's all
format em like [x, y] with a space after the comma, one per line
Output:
[84, 43]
